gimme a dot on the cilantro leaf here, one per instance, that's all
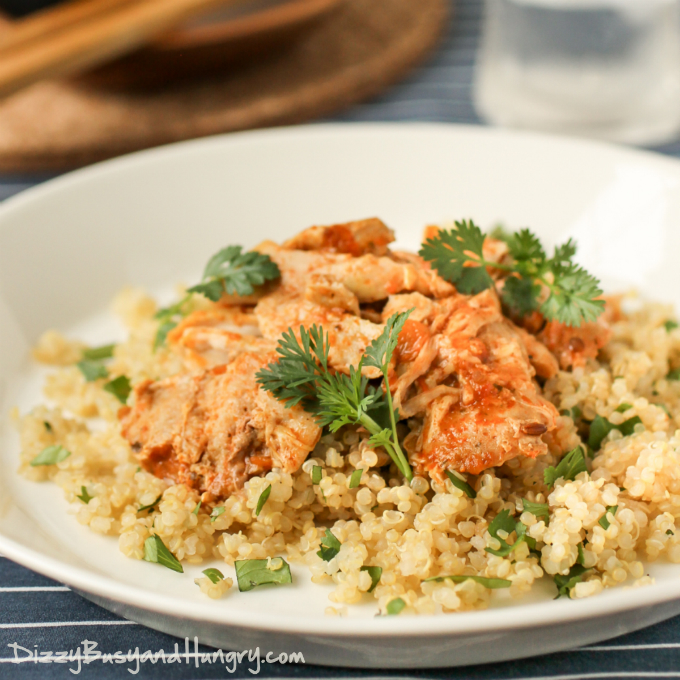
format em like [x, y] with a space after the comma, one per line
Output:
[600, 427]
[98, 353]
[330, 546]
[395, 606]
[151, 506]
[234, 272]
[217, 511]
[670, 325]
[317, 474]
[253, 573]
[504, 522]
[572, 293]
[355, 479]
[457, 256]
[572, 464]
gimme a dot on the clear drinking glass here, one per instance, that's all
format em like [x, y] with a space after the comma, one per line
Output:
[598, 68]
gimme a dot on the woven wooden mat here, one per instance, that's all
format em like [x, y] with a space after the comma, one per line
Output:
[358, 51]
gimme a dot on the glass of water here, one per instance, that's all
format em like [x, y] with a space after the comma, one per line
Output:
[598, 68]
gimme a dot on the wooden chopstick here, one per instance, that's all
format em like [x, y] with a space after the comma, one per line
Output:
[53, 19]
[89, 37]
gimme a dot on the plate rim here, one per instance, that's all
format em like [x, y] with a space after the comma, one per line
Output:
[514, 616]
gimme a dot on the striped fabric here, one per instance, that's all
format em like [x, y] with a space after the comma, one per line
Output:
[37, 614]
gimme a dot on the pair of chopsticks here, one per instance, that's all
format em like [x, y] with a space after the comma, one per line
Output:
[80, 34]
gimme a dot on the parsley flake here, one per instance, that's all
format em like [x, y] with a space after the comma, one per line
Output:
[504, 522]
[601, 427]
[262, 500]
[197, 508]
[604, 520]
[220, 510]
[317, 473]
[84, 496]
[491, 583]
[151, 506]
[51, 455]
[156, 551]
[572, 464]
[330, 546]
[670, 325]
[537, 509]
[253, 573]
[375, 573]
[461, 484]
[395, 606]
[673, 374]
[98, 353]
[120, 388]
[92, 370]
[566, 583]
[622, 408]
[215, 575]
[355, 479]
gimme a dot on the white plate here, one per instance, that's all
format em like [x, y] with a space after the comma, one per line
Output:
[153, 218]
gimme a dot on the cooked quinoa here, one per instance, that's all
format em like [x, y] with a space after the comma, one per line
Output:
[413, 531]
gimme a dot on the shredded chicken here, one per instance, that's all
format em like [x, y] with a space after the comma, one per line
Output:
[463, 372]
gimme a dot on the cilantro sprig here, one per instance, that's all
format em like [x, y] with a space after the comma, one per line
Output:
[302, 376]
[572, 293]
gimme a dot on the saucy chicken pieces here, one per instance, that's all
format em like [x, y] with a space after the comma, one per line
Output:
[463, 372]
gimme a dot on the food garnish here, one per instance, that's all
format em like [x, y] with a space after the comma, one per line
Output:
[604, 520]
[156, 551]
[566, 583]
[375, 573]
[557, 287]
[253, 573]
[601, 427]
[92, 370]
[120, 388]
[537, 509]
[572, 464]
[262, 500]
[395, 606]
[355, 479]
[491, 583]
[151, 506]
[51, 455]
[330, 546]
[302, 376]
[215, 575]
[504, 522]
[461, 484]
[84, 496]
[98, 353]
[317, 473]
[217, 511]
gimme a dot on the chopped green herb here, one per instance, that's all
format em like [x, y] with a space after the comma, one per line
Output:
[674, 374]
[574, 413]
[92, 370]
[622, 408]
[330, 546]
[51, 455]
[461, 484]
[217, 511]
[302, 376]
[670, 325]
[504, 522]
[215, 575]
[253, 573]
[98, 353]
[48, 426]
[581, 557]
[573, 295]
[317, 473]
[669, 533]
[375, 573]
[234, 272]
[604, 521]
[119, 387]
[537, 509]
[571, 465]
[395, 606]
[491, 583]
[355, 479]
[197, 508]
[164, 327]
[566, 583]
[156, 551]
[601, 427]
[262, 500]
[151, 506]
[84, 496]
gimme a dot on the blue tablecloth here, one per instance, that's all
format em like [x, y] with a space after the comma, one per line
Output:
[36, 613]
